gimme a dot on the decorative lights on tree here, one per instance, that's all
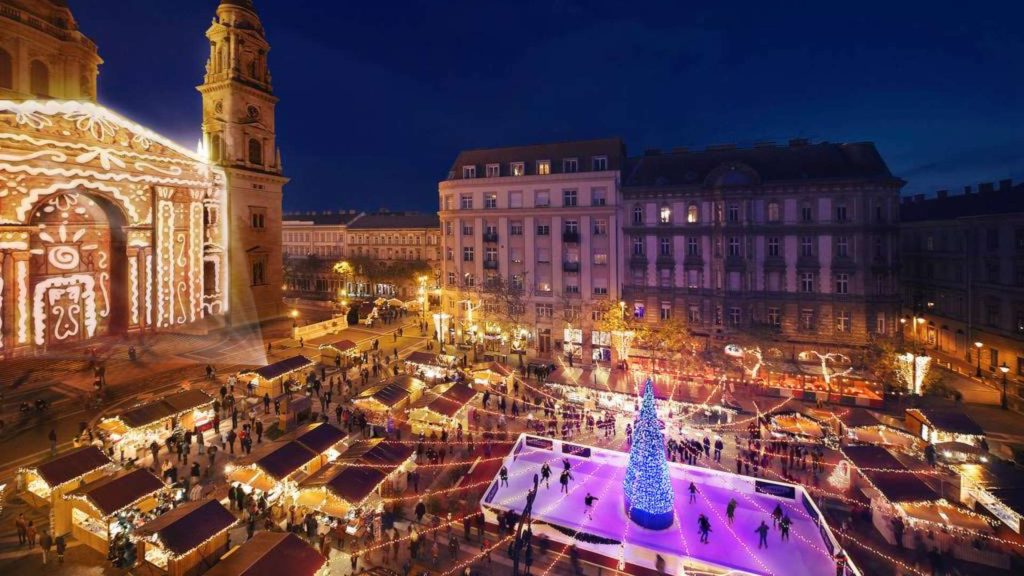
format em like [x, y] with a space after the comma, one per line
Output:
[648, 488]
[911, 369]
[826, 361]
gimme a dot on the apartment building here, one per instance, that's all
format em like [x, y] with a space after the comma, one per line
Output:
[799, 239]
[963, 276]
[542, 219]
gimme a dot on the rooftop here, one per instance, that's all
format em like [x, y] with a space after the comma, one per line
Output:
[189, 525]
[72, 465]
[268, 553]
[115, 493]
[582, 150]
[986, 200]
[395, 220]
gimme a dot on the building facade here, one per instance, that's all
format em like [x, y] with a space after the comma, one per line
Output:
[386, 254]
[963, 276]
[542, 221]
[106, 227]
[797, 239]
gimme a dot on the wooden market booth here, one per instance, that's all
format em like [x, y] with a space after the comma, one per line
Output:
[94, 512]
[133, 430]
[274, 470]
[443, 407]
[345, 350]
[430, 365]
[937, 426]
[324, 439]
[187, 540]
[496, 375]
[48, 482]
[271, 378]
[383, 399]
[270, 554]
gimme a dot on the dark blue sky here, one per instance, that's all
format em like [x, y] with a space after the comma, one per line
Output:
[377, 98]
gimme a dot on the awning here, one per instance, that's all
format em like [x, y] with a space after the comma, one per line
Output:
[320, 437]
[285, 460]
[342, 346]
[188, 526]
[283, 367]
[113, 494]
[71, 466]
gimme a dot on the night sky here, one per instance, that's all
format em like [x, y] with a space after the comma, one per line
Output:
[377, 98]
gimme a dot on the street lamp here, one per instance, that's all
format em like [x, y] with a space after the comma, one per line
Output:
[295, 318]
[1004, 369]
[978, 345]
[917, 320]
[903, 328]
[622, 308]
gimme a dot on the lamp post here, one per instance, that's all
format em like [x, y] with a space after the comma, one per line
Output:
[917, 320]
[903, 329]
[295, 318]
[1002, 399]
[977, 346]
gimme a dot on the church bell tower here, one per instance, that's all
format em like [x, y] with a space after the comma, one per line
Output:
[239, 135]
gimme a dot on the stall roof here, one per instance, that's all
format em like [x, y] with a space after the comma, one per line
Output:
[320, 437]
[72, 465]
[410, 383]
[270, 554]
[952, 421]
[340, 345]
[112, 494]
[1002, 480]
[897, 486]
[387, 394]
[497, 368]
[420, 357]
[378, 451]
[285, 460]
[146, 414]
[186, 527]
[451, 400]
[188, 400]
[354, 484]
[282, 367]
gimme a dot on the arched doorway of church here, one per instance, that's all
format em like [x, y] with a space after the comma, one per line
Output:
[78, 269]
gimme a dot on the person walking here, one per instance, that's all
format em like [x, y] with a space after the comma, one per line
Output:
[22, 526]
[62, 546]
[45, 543]
[30, 535]
[730, 510]
[762, 533]
[776, 515]
[421, 510]
[53, 442]
[704, 527]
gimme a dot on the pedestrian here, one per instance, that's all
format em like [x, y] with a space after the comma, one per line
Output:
[45, 543]
[564, 481]
[231, 439]
[53, 442]
[776, 515]
[259, 431]
[545, 475]
[421, 510]
[266, 403]
[22, 526]
[453, 547]
[30, 535]
[762, 533]
[62, 545]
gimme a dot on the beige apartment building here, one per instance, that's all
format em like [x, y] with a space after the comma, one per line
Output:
[539, 220]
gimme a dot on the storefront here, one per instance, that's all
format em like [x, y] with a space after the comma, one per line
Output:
[107, 512]
[273, 378]
[384, 400]
[943, 426]
[347, 495]
[46, 483]
[272, 553]
[186, 540]
[341, 352]
[275, 471]
[443, 407]
[430, 366]
[134, 430]
[325, 440]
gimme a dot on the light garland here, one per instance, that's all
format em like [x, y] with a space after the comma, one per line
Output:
[647, 486]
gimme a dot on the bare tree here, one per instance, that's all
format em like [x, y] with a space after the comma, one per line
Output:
[829, 362]
[503, 303]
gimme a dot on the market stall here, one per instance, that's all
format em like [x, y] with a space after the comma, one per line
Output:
[184, 541]
[271, 378]
[269, 553]
[996, 486]
[111, 508]
[429, 365]
[134, 430]
[496, 376]
[343, 492]
[43, 484]
[393, 458]
[940, 426]
[325, 440]
[341, 352]
[385, 399]
[795, 425]
[442, 407]
[275, 470]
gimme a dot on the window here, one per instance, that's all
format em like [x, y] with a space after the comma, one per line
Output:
[543, 167]
[692, 214]
[542, 199]
[806, 213]
[6, 69]
[692, 248]
[773, 246]
[467, 229]
[843, 246]
[259, 270]
[807, 319]
[638, 246]
[255, 151]
[257, 218]
[469, 171]
[545, 310]
[491, 255]
[466, 201]
[516, 255]
[666, 311]
[543, 255]
[806, 246]
[451, 278]
[693, 314]
[572, 289]
[570, 165]
[807, 282]
[843, 323]
[516, 228]
[664, 246]
[568, 198]
[992, 313]
[600, 258]
[881, 327]
[734, 246]
[469, 281]
[735, 316]
[543, 230]
[600, 286]
[490, 200]
[467, 254]
[517, 168]
[598, 197]
[571, 227]
[600, 163]
[774, 316]
[840, 212]
[665, 215]
[517, 281]
[448, 253]
[493, 170]
[515, 199]
[638, 214]
[992, 239]
[732, 213]
[600, 227]
[842, 283]
[773, 211]
[39, 79]
[639, 310]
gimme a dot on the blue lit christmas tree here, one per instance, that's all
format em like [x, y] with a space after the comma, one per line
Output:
[647, 487]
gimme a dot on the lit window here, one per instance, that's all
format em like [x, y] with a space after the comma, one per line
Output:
[692, 214]
[544, 167]
[665, 215]
[773, 211]
[518, 168]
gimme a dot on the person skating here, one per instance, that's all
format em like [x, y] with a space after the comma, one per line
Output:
[704, 527]
[693, 492]
[776, 515]
[564, 481]
[503, 474]
[730, 510]
[589, 500]
[784, 525]
[545, 475]
[762, 533]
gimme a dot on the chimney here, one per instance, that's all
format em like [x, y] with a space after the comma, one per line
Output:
[942, 193]
[652, 152]
[1005, 185]
[798, 142]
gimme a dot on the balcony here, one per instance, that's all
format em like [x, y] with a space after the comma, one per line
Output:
[665, 261]
[571, 237]
[491, 237]
[490, 264]
[638, 261]
[808, 262]
[693, 261]
[571, 266]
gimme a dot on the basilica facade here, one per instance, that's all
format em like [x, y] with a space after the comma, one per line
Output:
[107, 228]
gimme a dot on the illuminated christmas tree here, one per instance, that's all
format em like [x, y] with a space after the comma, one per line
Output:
[647, 486]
